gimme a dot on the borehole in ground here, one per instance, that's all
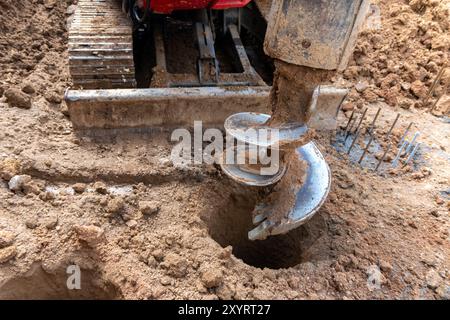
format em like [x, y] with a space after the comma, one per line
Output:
[229, 226]
[40, 285]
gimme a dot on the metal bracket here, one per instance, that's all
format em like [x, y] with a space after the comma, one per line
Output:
[209, 74]
[231, 17]
[208, 67]
[324, 107]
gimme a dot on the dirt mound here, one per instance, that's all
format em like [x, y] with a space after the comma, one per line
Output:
[398, 63]
[33, 45]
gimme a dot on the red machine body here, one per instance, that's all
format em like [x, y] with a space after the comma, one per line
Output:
[167, 6]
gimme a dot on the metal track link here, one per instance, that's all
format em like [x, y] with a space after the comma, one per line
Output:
[101, 46]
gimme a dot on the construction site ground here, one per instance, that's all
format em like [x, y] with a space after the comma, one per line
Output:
[141, 228]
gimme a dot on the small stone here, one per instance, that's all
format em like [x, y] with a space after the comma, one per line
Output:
[103, 202]
[389, 157]
[100, 187]
[418, 5]
[405, 86]
[49, 4]
[90, 234]
[76, 141]
[16, 98]
[345, 184]
[53, 97]
[9, 168]
[348, 106]
[71, 9]
[291, 294]
[417, 175]
[361, 86]
[65, 110]
[433, 279]
[32, 223]
[442, 107]
[212, 278]
[17, 183]
[51, 222]
[351, 72]
[7, 254]
[294, 283]
[127, 216]
[225, 253]
[418, 89]
[406, 103]
[157, 291]
[434, 213]
[6, 238]
[151, 261]
[165, 281]
[158, 254]
[31, 187]
[143, 256]
[28, 88]
[429, 259]
[340, 281]
[443, 291]
[47, 196]
[148, 207]
[439, 200]
[370, 96]
[423, 173]
[115, 205]
[385, 266]
[412, 224]
[175, 265]
[79, 187]
[132, 223]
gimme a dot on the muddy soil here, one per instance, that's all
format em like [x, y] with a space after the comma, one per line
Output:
[293, 87]
[138, 227]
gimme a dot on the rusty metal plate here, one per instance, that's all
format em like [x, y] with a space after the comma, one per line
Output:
[317, 34]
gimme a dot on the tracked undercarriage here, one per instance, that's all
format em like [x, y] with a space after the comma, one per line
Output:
[101, 46]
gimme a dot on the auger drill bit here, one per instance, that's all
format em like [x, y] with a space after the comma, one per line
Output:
[307, 46]
[301, 183]
[309, 197]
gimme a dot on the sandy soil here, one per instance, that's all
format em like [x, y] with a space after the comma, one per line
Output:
[141, 228]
